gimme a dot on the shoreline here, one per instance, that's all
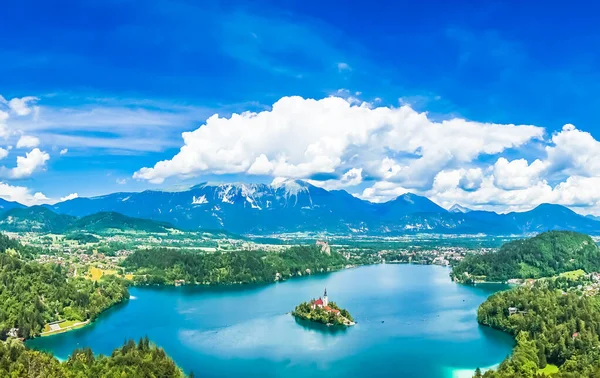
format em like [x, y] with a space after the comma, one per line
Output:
[469, 372]
[450, 372]
[67, 329]
[349, 324]
[83, 324]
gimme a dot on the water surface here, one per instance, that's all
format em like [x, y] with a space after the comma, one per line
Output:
[412, 321]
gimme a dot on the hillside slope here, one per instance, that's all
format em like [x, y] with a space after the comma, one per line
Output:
[544, 255]
[43, 220]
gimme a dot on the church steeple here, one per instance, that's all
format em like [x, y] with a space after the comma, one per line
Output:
[325, 300]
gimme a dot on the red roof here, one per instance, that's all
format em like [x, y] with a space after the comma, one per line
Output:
[327, 308]
[319, 302]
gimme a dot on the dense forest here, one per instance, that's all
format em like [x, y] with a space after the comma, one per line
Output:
[160, 266]
[545, 255]
[33, 294]
[141, 360]
[14, 248]
[550, 326]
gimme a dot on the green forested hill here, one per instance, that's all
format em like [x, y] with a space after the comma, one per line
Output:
[40, 219]
[104, 221]
[545, 255]
[168, 265]
[141, 360]
[33, 294]
[34, 219]
[550, 328]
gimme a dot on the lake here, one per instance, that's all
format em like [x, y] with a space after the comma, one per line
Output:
[412, 321]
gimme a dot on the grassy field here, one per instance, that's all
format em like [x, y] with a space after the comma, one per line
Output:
[573, 274]
[97, 273]
[66, 325]
[549, 370]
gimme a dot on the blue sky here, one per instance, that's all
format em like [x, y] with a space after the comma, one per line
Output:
[117, 82]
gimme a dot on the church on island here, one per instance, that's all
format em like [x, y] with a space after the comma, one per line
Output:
[323, 303]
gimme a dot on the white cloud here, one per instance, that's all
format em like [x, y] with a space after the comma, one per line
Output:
[517, 174]
[470, 179]
[64, 151]
[3, 127]
[28, 141]
[351, 178]
[22, 106]
[32, 161]
[3, 153]
[118, 126]
[19, 107]
[343, 67]
[574, 152]
[382, 191]
[301, 137]
[575, 191]
[69, 197]
[21, 194]
[121, 181]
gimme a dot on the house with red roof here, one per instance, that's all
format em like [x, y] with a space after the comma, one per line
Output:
[323, 303]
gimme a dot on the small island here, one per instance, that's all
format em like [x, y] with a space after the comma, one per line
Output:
[322, 311]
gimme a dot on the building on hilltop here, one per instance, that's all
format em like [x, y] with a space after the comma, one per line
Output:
[323, 303]
[324, 245]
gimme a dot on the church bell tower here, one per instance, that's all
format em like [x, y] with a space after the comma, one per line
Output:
[325, 300]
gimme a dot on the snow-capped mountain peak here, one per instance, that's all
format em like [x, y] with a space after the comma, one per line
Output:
[456, 208]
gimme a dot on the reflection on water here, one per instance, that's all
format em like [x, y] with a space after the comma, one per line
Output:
[313, 326]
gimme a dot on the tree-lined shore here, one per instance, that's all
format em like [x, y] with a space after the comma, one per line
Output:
[554, 314]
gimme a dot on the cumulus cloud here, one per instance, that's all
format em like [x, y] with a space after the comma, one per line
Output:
[21, 194]
[574, 152]
[22, 106]
[513, 185]
[383, 191]
[14, 107]
[300, 137]
[377, 152]
[3, 127]
[577, 192]
[351, 178]
[517, 174]
[32, 161]
[28, 141]
[69, 197]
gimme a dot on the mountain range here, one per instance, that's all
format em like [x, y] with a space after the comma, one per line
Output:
[297, 206]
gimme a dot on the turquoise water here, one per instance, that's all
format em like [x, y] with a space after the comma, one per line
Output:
[412, 321]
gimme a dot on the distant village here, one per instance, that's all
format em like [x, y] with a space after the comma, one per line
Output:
[444, 256]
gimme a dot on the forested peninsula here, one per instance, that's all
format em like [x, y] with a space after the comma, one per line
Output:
[32, 295]
[169, 266]
[544, 255]
[554, 314]
[132, 360]
[35, 295]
